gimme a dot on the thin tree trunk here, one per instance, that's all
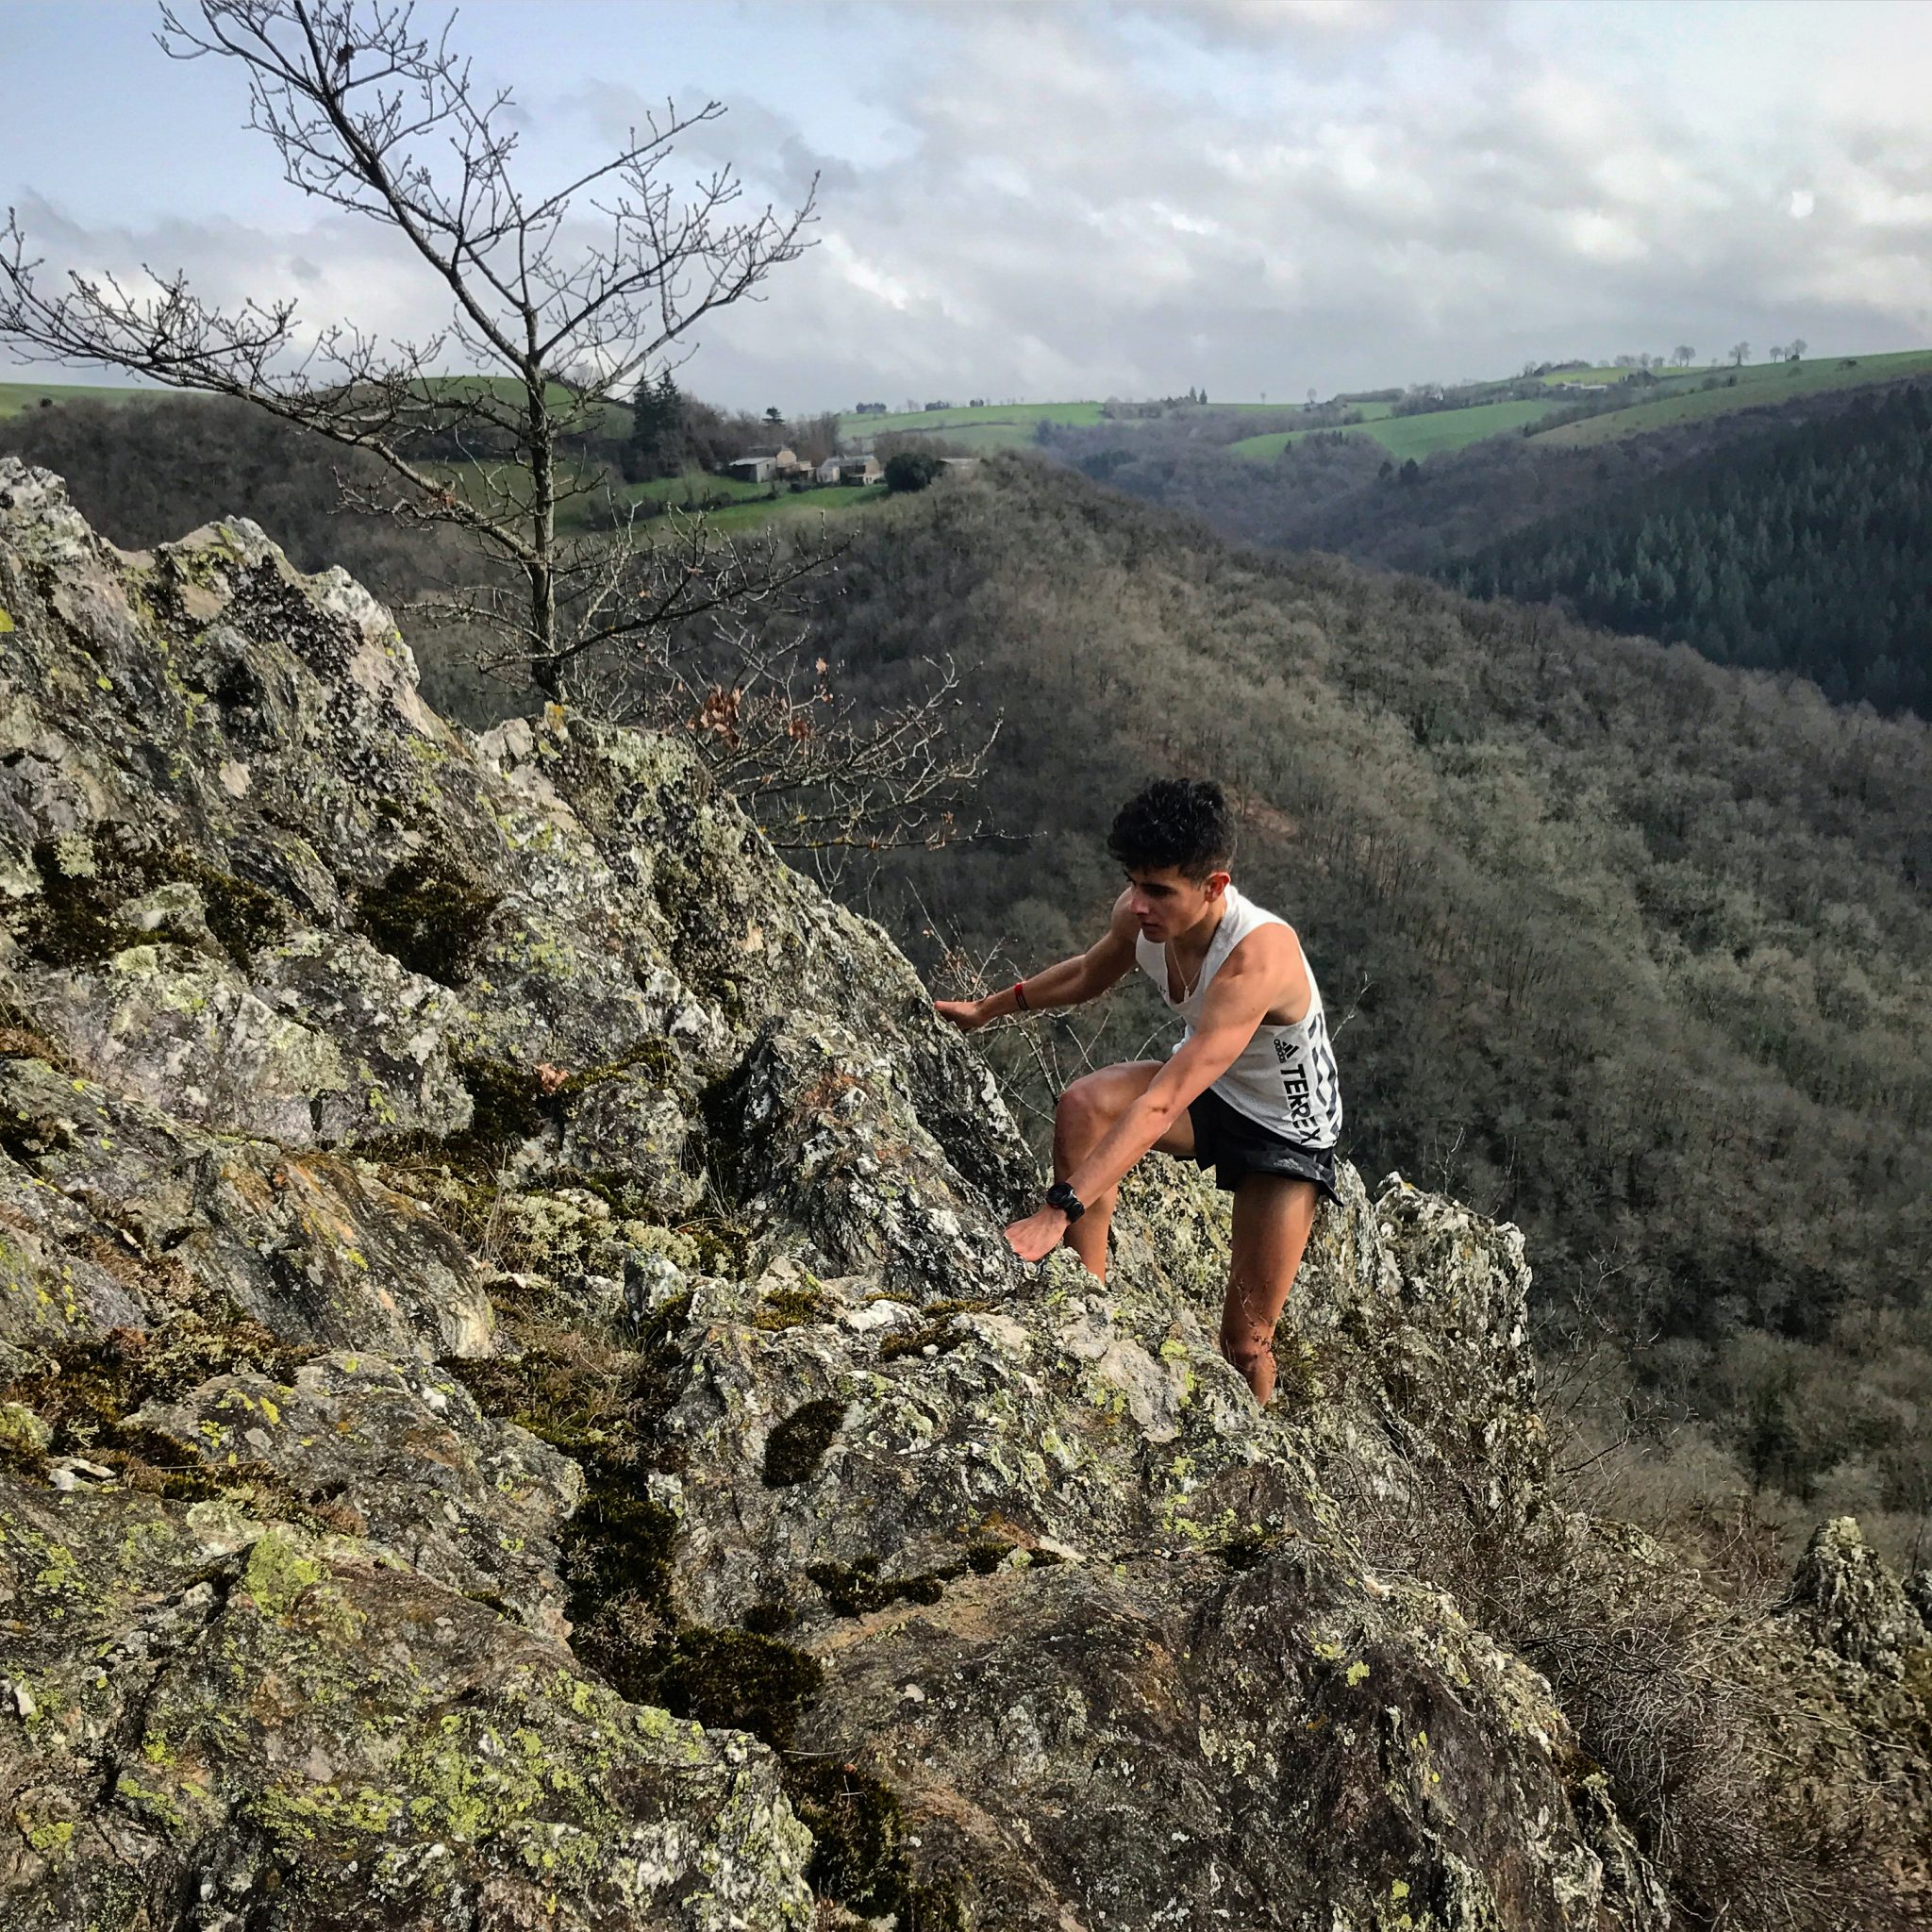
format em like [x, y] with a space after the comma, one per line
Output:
[546, 670]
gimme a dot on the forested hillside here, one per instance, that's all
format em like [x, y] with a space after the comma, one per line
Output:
[1623, 946]
[1791, 538]
[1346, 493]
[149, 471]
[515, 1410]
[1810, 552]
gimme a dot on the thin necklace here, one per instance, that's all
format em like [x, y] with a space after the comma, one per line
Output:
[1188, 985]
[1187, 992]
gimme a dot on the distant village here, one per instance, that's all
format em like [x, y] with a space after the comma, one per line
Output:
[672, 436]
[783, 465]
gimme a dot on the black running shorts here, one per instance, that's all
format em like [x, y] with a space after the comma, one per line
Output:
[1233, 1145]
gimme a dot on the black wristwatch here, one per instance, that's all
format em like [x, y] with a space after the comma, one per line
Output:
[1061, 1196]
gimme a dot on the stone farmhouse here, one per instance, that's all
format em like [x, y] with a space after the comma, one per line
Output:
[783, 465]
[762, 465]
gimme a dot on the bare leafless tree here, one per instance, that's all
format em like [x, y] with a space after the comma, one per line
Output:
[561, 302]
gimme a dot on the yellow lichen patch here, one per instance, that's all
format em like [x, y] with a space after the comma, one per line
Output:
[278, 1573]
[51, 1839]
[61, 1575]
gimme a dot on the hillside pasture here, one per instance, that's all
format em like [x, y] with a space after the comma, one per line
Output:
[836, 501]
[1011, 426]
[1758, 385]
[995, 425]
[750, 505]
[692, 489]
[1367, 411]
[16, 398]
[1419, 437]
[1607, 375]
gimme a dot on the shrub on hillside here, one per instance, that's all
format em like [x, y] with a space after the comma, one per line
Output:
[912, 469]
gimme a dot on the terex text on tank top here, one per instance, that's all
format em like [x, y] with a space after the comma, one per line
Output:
[1285, 1078]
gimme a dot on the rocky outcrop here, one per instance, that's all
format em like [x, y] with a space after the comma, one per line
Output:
[516, 1409]
[1856, 1606]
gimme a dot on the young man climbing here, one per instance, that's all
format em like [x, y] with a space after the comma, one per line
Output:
[1250, 1090]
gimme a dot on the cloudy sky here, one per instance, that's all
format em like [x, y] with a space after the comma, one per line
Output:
[1055, 198]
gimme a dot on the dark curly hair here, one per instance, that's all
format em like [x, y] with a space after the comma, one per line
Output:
[1177, 821]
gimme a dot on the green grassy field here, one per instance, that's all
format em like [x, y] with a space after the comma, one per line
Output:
[997, 425]
[1368, 411]
[1011, 426]
[1758, 385]
[982, 432]
[17, 397]
[1415, 436]
[836, 503]
[692, 488]
[1028, 413]
[1569, 379]
[750, 503]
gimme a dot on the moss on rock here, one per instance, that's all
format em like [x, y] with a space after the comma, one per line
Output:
[429, 917]
[82, 881]
[862, 1849]
[797, 1444]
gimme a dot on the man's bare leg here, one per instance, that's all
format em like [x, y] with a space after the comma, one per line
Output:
[1272, 1215]
[1087, 1109]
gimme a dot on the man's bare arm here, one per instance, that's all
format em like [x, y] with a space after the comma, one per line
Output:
[1260, 974]
[1085, 976]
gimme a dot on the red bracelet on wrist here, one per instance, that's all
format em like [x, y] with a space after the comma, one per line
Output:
[1019, 995]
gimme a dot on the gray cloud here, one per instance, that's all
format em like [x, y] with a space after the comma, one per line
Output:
[1302, 195]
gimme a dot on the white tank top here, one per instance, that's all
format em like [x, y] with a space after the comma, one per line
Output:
[1285, 1079]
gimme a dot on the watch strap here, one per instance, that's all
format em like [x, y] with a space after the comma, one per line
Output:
[1061, 1196]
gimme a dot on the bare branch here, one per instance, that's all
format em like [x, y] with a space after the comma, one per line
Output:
[373, 114]
[677, 626]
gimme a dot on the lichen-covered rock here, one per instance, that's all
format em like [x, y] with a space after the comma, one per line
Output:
[631, 1126]
[1188, 1742]
[150, 1214]
[406, 1460]
[1858, 1608]
[824, 1134]
[317, 1051]
[213, 1721]
[837, 1449]
[515, 1410]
